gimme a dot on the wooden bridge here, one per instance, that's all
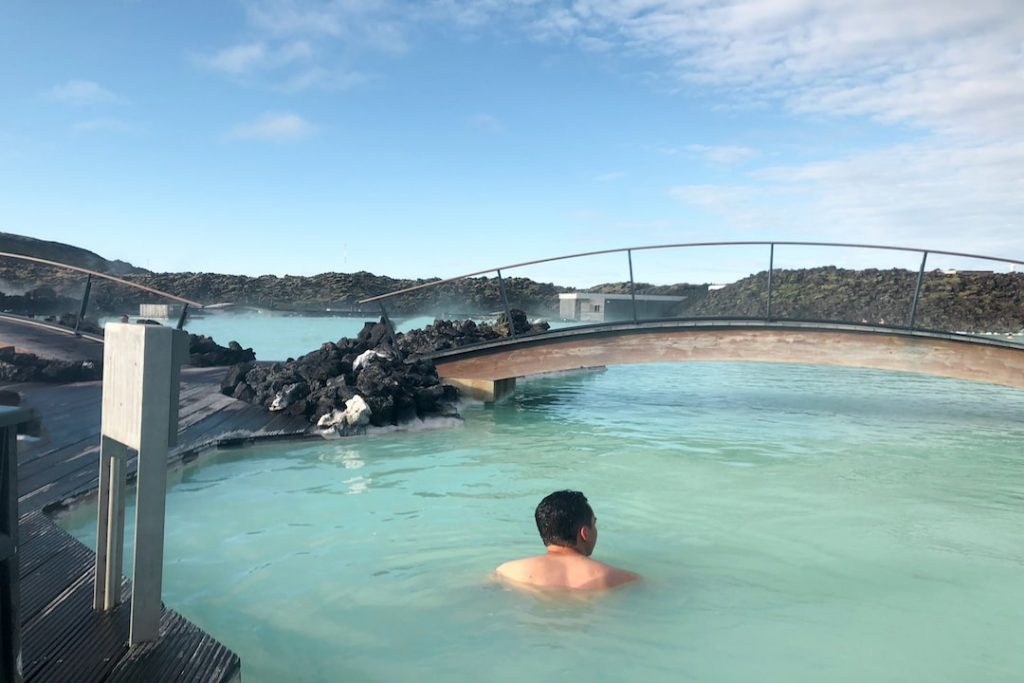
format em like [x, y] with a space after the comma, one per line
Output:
[488, 370]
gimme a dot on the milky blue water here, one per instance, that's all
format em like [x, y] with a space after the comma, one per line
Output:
[275, 336]
[791, 523]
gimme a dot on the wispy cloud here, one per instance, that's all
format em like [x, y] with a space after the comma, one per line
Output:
[486, 122]
[298, 45]
[913, 194]
[319, 78]
[609, 177]
[952, 70]
[274, 128]
[81, 93]
[378, 25]
[946, 65]
[238, 59]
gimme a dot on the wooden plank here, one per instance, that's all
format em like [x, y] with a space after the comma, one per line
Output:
[58, 461]
[79, 482]
[184, 653]
[53, 577]
[31, 525]
[66, 640]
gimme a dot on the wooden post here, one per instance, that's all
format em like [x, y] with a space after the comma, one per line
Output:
[141, 367]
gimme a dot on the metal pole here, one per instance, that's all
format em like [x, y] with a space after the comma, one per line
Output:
[632, 285]
[917, 291]
[508, 311]
[85, 303]
[181, 318]
[771, 267]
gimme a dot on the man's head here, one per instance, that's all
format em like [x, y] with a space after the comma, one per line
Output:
[565, 518]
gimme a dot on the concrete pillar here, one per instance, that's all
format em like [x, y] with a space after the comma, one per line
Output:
[141, 368]
[486, 390]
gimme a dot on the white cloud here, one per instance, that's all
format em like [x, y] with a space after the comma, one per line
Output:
[275, 128]
[967, 198]
[238, 59]
[315, 77]
[723, 154]
[372, 24]
[82, 93]
[945, 64]
[950, 70]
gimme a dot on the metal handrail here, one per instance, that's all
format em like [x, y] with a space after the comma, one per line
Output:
[95, 273]
[652, 247]
[105, 276]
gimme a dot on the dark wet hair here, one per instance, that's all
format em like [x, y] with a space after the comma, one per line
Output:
[560, 515]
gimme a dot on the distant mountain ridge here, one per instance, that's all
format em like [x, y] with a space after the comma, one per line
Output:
[65, 253]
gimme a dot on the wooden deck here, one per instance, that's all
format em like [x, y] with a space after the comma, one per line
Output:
[64, 463]
[47, 340]
[63, 638]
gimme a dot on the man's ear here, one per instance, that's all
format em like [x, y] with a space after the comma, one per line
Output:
[583, 534]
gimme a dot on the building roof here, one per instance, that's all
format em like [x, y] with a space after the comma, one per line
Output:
[618, 297]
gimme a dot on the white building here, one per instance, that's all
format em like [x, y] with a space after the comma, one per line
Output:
[597, 307]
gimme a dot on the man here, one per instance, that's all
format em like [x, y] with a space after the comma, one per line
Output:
[568, 528]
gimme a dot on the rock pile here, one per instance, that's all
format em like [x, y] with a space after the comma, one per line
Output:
[451, 334]
[346, 385]
[28, 367]
[373, 379]
[204, 352]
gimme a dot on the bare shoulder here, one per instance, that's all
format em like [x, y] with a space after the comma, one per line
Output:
[514, 569]
[613, 576]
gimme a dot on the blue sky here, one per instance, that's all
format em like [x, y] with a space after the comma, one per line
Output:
[436, 138]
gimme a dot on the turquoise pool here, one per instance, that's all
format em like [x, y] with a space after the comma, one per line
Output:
[792, 524]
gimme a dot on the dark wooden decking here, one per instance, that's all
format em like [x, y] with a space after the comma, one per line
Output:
[47, 340]
[63, 638]
[64, 463]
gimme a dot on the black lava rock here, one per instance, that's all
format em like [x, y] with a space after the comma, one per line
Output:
[395, 387]
[204, 352]
[27, 367]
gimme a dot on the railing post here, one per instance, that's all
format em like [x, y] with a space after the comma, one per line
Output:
[508, 311]
[85, 302]
[183, 316]
[632, 286]
[771, 267]
[917, 291]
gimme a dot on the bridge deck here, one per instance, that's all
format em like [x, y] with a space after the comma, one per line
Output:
[885, 348]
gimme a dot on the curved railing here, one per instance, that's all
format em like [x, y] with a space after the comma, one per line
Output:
[768, 313]
[90, 274]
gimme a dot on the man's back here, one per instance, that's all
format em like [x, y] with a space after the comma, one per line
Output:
[558, 570]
